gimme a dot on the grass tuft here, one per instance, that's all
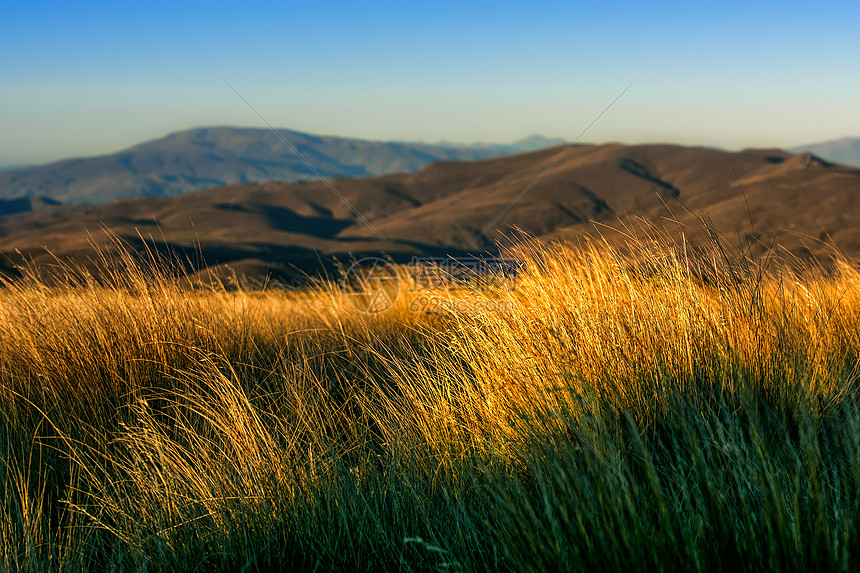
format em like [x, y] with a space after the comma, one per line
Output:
[648, 410]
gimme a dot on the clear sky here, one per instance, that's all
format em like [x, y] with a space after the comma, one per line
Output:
[85, 78]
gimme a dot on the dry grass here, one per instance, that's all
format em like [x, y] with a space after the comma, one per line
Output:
[611, 413]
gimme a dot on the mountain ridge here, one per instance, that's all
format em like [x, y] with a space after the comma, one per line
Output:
[845, 150]
[805, 205]
[208, 157]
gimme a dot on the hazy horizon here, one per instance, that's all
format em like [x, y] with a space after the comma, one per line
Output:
[131, 144]
[442, 142]
[90, 79]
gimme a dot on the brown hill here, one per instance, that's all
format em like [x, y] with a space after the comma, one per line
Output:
[799, 201]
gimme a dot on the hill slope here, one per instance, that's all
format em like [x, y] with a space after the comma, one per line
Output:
[799, 201]
[210, 157]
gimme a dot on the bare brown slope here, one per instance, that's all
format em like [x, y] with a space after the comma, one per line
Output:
[796, 200]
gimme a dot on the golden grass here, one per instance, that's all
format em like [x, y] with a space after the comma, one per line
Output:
[607, 412]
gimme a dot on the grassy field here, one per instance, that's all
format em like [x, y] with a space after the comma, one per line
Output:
[603, 413]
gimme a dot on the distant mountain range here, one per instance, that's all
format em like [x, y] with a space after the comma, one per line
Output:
[845, 151]
[800, 202]
[211, 157]
[532, 143]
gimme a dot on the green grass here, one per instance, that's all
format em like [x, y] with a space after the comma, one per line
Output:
[632, 413]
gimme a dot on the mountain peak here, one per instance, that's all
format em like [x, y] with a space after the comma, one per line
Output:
[535, 142]
[214, 156]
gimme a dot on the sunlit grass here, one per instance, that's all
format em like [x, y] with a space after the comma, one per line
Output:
[597, 412]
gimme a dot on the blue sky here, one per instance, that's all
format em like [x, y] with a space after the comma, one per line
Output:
[81, 79]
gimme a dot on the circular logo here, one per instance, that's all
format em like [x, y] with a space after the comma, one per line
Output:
[371, 285]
